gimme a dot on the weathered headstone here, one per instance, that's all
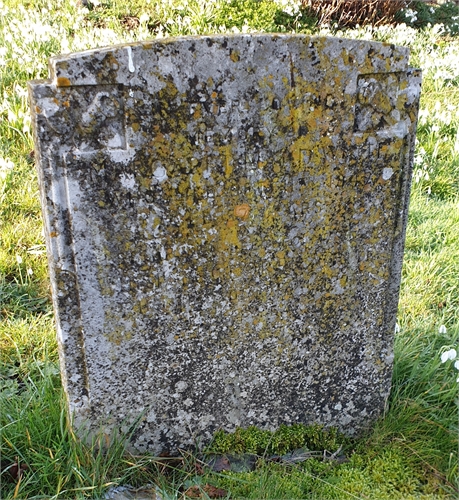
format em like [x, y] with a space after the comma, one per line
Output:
[225, 220]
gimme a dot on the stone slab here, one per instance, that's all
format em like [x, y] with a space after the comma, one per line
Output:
[225, 219]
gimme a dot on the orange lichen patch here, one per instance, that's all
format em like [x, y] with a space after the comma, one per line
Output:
[226, 153]
[62, 81]
[242, 211]
[197, 114]
[234, 56]
[228, 237]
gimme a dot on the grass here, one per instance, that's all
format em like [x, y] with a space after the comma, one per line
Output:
[412, 452]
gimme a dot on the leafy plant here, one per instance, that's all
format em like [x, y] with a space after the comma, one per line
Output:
[421, 14]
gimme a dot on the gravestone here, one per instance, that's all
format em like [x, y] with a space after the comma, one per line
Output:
[225, 221]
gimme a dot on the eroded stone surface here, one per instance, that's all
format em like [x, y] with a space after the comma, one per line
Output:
[225, 220]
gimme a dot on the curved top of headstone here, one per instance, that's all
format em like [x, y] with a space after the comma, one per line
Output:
[138, 63]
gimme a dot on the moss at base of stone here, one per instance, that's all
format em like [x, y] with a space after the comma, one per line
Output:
[370, 470]
[279, 442]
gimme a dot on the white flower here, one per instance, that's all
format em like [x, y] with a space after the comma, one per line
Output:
[456, 364]
[3, 52]
[442, 329]
[397, 328]
[451, 354]
[411, 15]
[144, 18]
[6, 166]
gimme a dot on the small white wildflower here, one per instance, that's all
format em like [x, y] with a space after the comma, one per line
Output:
[397, 328]
[289, 7]
[411, 15]
[438, 29]
[456, 364]
[3, 52]
[26, 125]
[144, 18]
[6, 166]
[451, 354]
[442, 329]
[18, 259]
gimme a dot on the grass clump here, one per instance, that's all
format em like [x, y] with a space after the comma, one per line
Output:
[36, 435]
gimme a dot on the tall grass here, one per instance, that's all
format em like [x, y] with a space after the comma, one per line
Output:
[412, 452]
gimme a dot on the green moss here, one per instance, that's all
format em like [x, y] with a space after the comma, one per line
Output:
[384, 471]
[286, 438]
